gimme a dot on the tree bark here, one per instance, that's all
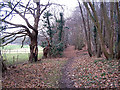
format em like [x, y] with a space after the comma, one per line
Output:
[112, 29]
[95, 39]
[109, 26]
[118, 14]
[86, 35]
[99, 51]
[96, 22]
[2, 64]
[33, 48]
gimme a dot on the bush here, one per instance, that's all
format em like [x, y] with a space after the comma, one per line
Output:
[79, 44]
[57, 49]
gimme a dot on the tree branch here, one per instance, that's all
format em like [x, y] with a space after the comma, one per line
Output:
[45, 8]
[30, 9]
[36, 20]
[8, 36]
[18, 25]
[13, 40]
[26, 7]
[23, 41]
[20, 32]
[11, 10]
[28, 24]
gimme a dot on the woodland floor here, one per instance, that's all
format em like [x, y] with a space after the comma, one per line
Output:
[75, 70]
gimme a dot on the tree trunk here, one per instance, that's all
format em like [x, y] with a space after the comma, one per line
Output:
[96, 22]
[33, 48]
[95, 40]
[118, 13]
[109, 26]
[2, 64]
[86, 35]
[99, 51]
[112, 28]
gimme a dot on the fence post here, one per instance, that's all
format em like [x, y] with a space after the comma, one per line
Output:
[17, 58]
[13, 59]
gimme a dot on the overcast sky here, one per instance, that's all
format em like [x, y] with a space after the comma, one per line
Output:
[68, 8]
[69, 4]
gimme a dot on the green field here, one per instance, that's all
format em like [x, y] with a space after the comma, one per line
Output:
[11, 47]
[12, 58]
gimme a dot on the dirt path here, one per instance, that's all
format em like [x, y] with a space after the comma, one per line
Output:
[70, 52]
[66, 81]
[79, 71]
[82, 71]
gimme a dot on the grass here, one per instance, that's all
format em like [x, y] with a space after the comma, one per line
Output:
[13, 58]
[53, 73]
[42, 74]
[17, 57]
[12, 47]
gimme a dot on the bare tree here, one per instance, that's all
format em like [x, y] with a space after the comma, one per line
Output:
[35, 10]
[75, 33]
[107, 12]
[118, 16]
[85, 29]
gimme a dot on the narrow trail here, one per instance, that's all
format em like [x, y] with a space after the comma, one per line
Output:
[79, 71]
[66, 81]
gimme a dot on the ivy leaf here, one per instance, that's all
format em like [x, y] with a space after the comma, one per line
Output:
[103, 74]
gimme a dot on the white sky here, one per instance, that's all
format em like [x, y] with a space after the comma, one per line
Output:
[68, 8]
[69, 4]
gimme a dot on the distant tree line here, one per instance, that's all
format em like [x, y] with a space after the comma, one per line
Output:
[101, 24]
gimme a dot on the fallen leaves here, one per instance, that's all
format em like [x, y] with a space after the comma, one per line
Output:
[91, 72]
[44, 74]
[84, 72]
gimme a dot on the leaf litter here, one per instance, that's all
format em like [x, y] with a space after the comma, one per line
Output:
[86, 72]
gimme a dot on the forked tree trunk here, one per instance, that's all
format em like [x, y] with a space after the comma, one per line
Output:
[96, 22]
[33, 48]
[85, 29]
[109, 26]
